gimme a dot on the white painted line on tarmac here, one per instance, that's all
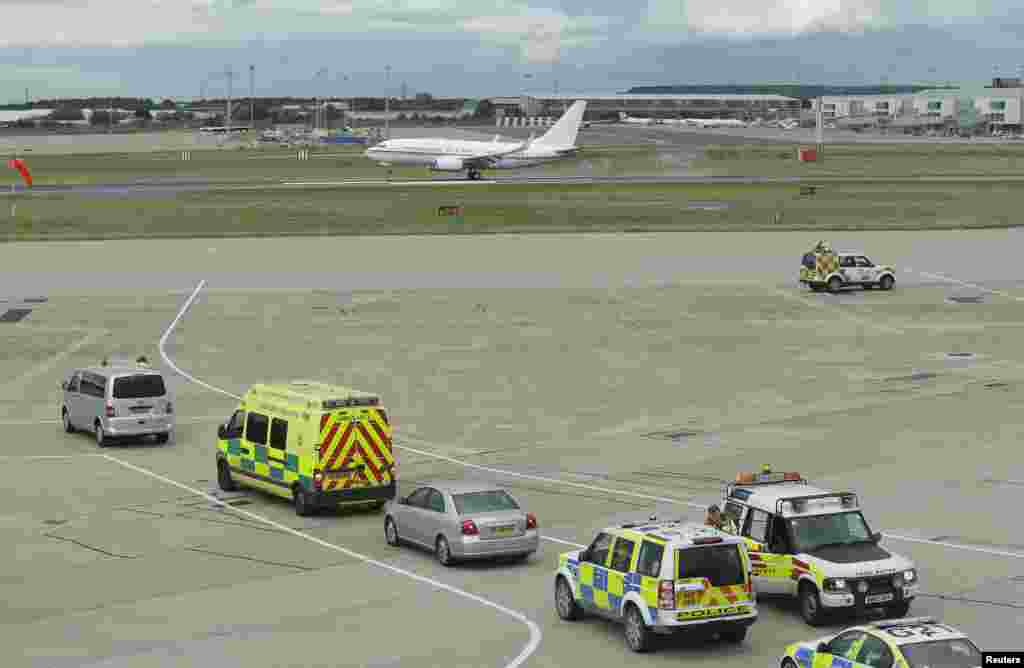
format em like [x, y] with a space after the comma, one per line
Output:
[556, 481]
[535, 634]
[965, 284]
[564, 483]
[378, 182]
[563, 542]
[167, 333]
[43, 457]
[969, 548]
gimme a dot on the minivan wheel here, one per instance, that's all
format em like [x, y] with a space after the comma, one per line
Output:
[68, 427]
[224, 479]
[101, 438]
[886, 282]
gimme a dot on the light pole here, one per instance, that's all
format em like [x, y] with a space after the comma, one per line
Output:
[252, 96]
[387, 102]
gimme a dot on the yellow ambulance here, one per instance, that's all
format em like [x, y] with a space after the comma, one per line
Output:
[314, 443]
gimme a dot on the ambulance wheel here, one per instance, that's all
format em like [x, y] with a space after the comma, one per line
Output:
[391, 532]
[224, 479]
[810, 605]
[303, 506]
[565, 602]
[788, 663]
[834, 284]
[638, 636]
[443, 551]
[66, 419]
[886, 282]
[101, 437]
[735, 636]
[898, 610]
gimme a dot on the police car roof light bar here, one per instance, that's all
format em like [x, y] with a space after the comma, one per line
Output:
[909, 621]
[842, 496]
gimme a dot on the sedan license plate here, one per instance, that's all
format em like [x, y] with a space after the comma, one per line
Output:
[502, 531]
[879, 598]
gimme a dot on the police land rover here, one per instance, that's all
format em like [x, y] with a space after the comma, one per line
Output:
[816, 545]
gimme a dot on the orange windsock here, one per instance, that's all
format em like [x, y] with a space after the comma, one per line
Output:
[19, 165]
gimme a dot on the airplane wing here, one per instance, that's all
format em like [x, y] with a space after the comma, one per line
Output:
[480, 160]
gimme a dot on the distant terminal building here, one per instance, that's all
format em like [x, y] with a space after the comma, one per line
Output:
[704, 105]
[802, 91]
[962, 109]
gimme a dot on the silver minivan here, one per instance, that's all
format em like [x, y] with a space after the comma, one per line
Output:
[117, 401]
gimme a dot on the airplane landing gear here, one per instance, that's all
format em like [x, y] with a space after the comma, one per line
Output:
[473, 175]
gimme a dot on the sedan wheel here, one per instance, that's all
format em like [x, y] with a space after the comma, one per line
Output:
[391, 532]
[101, 438]
[443, 552]
[67, 422]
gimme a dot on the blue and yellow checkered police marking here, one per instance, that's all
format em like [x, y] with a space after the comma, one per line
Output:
[804, 657]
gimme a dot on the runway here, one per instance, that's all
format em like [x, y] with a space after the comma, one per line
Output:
[171, 189]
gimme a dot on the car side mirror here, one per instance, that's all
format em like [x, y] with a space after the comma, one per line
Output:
[222, 431]
[823, 648]
[876, 537]
[64, 385]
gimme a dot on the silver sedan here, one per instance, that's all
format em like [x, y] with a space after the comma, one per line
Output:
[462, 520]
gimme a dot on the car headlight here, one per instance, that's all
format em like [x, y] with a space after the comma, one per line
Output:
[910, 575]
[835, 584]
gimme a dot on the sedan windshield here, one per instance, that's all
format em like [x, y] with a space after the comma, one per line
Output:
[959, 653]
[484, 502]
[812, 533]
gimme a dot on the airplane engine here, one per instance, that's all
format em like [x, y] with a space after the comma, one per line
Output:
[448, 164]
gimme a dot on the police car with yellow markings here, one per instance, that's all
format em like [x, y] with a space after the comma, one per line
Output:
[314, 443]
[817, 546]
[906, 643]
[660, 578]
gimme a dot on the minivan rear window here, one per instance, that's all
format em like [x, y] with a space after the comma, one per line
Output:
[721, 564]
[484, 502]
[140, 386]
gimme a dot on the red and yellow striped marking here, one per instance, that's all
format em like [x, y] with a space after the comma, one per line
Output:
[365, 440]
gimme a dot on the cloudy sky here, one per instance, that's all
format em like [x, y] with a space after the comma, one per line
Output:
[167, 48]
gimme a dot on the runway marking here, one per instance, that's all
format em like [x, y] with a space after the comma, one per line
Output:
[43, 367]
[535, 633]
[969, 548]
[965, 284]
[527, 651]
[422, 182]
[35, 423]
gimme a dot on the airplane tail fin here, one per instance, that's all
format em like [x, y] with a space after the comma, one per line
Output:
[563, 133]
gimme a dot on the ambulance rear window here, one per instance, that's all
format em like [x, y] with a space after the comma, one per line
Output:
[139, 386]
[721, 564]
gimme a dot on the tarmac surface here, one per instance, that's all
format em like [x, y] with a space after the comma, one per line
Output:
[605, 378]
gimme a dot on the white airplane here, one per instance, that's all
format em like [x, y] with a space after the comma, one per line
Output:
[626, 118]
[456, 155]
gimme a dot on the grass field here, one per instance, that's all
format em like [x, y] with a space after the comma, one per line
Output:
[878, 160]
[361, 210]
